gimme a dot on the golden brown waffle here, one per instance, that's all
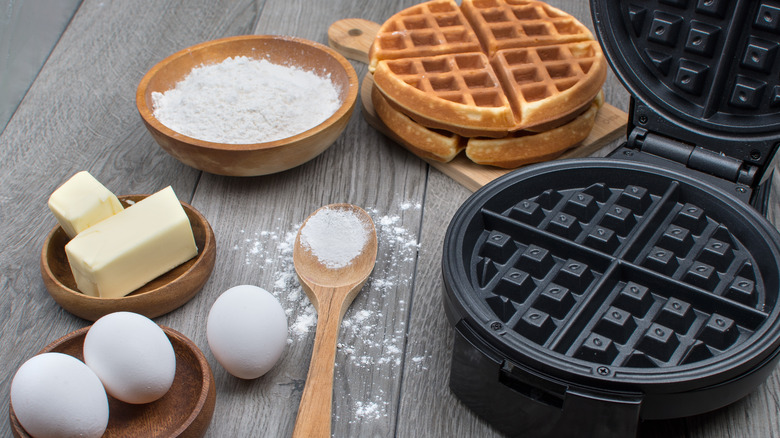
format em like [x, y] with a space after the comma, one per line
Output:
[523, 147]
[428, 29]
[518, 88]
[517, 149]
[423, 142]
[457, 92]
[521, 23]
[540, 81]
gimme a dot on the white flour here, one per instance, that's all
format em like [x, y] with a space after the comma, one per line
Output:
[335, 236]
[396, 252]
[244, 101]
[365, 341]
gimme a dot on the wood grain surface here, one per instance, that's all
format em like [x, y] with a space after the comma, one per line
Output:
[394, 348]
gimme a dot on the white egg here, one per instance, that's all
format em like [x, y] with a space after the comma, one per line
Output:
[57, 395]
[247, 331]
[132, 356]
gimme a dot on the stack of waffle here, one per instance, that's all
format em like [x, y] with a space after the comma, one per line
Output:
[510, 81]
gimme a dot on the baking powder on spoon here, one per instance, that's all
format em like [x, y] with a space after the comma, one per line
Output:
[335, 236]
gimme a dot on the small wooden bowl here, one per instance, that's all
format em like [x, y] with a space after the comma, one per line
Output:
[259, 158]
[184, 411]
[160, 296]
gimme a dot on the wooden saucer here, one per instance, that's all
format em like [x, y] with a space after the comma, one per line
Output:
[160, 296]
[184, 411]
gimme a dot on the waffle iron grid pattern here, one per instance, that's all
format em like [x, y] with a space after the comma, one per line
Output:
[720, 62]
[618, 276]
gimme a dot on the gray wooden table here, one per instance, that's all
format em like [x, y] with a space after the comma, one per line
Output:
[394, 352]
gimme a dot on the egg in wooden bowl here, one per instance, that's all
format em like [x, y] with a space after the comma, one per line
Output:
[248, 105]
[185, 410]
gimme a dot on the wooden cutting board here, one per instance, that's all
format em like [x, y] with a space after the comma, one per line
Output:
[352, 37]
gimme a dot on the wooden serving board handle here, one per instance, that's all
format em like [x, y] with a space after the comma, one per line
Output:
[352, 37]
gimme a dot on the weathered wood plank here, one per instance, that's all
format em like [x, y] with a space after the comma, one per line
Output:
[362, 168]
[28, 32]
[394, 355]
[80, 114]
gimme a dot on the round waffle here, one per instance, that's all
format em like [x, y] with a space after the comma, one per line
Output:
[514, 150]
[534, 64]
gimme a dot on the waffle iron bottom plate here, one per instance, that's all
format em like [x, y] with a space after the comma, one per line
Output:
[590, 294]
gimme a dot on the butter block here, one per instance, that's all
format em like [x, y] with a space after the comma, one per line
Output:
[127, 250]
[82, 201]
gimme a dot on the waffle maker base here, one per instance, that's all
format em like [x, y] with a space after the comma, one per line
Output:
[590, 294]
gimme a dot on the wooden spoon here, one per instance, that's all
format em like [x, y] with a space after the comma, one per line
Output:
[331, 290]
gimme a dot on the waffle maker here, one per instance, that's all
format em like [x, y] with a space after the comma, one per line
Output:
[587, 295]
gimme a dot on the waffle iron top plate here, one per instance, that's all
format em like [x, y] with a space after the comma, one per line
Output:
[704, 72]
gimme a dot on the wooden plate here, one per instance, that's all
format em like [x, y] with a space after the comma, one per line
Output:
[184, 411]
[160, 296]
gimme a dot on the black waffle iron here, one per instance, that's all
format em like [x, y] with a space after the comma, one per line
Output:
[587, 295]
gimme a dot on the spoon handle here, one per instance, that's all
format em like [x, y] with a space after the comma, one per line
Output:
[314, 411]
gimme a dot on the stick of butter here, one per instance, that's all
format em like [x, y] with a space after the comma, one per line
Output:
[82, 201]
[127, 250]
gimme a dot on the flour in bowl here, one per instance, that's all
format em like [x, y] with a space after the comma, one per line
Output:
[244, 101]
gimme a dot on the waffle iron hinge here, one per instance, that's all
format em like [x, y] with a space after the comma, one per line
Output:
[693, 157]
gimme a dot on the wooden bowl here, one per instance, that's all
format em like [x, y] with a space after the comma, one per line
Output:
[160, 296]
[184, 411]
[259, 158]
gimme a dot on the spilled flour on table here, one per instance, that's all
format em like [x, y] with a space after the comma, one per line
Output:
[366, 343]
[371, 410]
